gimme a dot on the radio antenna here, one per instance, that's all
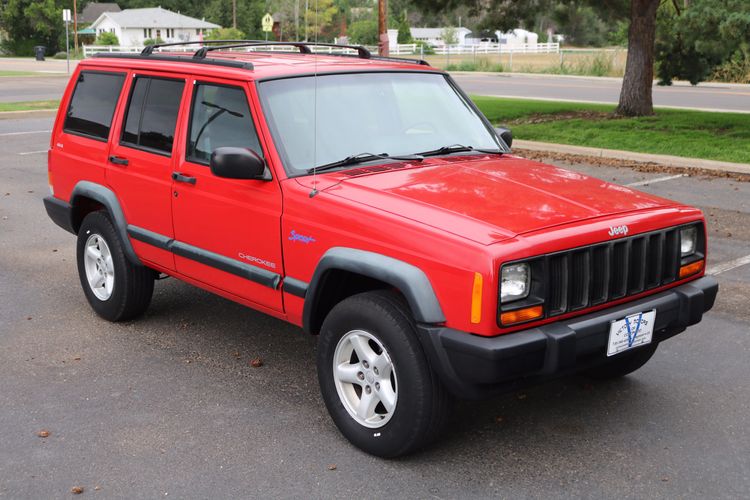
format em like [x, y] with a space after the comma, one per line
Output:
[315, 108]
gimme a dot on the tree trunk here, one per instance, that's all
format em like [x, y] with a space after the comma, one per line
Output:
[635, 96]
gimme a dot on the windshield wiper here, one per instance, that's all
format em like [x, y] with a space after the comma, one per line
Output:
[361, 158]
[458, 148]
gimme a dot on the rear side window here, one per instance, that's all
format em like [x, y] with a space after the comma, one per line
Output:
[151, 116]
[220, 116]
[93, 104]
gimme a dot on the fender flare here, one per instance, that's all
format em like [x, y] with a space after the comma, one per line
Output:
[107, 197]
[407, 278]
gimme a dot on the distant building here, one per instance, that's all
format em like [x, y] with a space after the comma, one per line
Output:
[433, 36]
[133, 26]
[464, 36]
[92, 11]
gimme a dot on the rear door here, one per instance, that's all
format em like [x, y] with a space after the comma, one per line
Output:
[227, 231]
[141, 161]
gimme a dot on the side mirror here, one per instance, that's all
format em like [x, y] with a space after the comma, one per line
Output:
[238, 163]
[505, 134]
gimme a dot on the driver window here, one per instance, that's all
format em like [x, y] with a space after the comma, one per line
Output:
[219, 117]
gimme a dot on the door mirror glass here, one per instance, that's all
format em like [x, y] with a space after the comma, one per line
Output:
[505, 134]
[238, 163]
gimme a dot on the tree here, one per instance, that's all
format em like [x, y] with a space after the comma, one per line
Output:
[319, 18]
[449, 36]
[404, 30]
[364, 32]
[693, 42]
[28, 23]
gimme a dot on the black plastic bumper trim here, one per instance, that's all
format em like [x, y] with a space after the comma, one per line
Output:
[295, 287]
[60, 212]
[473, 366]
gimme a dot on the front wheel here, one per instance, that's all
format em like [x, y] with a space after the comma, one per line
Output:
[116, 288]
[374, 376]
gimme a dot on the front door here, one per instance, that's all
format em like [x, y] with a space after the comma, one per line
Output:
[227, 231]
[140, 162]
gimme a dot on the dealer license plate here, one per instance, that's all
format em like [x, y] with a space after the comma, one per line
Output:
[630, 332]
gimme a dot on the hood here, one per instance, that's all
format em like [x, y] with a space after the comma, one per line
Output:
[488, 198]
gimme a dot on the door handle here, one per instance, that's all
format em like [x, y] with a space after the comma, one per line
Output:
[117, 160]
[178, 177]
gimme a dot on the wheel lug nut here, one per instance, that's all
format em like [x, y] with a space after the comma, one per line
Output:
[368, 390]
[360, 375]
[365, 364]
[377, 386]
[375, 370]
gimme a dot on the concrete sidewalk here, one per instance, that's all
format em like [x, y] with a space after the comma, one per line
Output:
[667, 160]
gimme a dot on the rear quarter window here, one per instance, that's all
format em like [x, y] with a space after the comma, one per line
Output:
[93, 104]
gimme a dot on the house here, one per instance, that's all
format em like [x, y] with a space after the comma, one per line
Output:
[133, 26]
[92, 11]
[432, 36]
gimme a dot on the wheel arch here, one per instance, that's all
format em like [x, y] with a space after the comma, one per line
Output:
[331, 283]
[88, 196]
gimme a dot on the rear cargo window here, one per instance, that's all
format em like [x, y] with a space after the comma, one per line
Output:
[93, 104]
[151, 116]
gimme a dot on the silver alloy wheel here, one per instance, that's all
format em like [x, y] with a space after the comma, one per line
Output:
[100, 270]
[365, 378]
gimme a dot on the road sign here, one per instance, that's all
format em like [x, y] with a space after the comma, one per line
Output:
[267, 23]
[66, 15]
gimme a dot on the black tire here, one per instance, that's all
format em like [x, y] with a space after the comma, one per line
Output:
[422, 403]
[133, 284]
[622, 365]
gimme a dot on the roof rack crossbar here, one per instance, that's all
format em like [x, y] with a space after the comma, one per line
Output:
[149, 49]
[304, 47]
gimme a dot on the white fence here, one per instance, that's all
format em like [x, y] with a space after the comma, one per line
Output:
[499, 48]
[395, 50]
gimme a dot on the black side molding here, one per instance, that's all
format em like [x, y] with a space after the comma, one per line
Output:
[295, 287]
[247, 271]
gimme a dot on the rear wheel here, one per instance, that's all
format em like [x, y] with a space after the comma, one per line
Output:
[622, 364]
[374, 376]
[116, 289]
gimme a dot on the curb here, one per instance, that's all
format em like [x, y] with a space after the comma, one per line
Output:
[30, 113]
[667, 160]
[676, 83]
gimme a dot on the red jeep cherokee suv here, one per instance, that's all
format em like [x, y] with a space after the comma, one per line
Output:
[368, 201]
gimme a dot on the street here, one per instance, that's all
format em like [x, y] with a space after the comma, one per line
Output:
[170, 405]
[709, 96]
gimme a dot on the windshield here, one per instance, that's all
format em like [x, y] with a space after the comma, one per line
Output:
[378, 113]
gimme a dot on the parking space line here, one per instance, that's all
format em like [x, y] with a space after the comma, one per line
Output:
[32, 152]
[8, 134]
[658, 179]
[728, 266]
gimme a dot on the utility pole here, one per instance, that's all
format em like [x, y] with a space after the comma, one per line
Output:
[383, 27]
[234, 14]
[75, 27]
[296, 21]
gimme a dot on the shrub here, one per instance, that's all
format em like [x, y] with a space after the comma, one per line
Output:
[479, 65]
[61, 55]
[152, 41]
[225, 34]
[107, 38]
[364, 32]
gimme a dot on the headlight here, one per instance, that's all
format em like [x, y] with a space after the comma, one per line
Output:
[688, 240]
[515, 280]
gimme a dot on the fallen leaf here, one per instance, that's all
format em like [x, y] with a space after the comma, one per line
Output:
[236, 354]
[54, 250]
[331, 466]
[665, 479]
[28, 318]
[97, 488]
[43, 433]
[256, 362]
[76, 490]
[77, 358]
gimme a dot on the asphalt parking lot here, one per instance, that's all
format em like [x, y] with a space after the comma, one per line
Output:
[169, 404]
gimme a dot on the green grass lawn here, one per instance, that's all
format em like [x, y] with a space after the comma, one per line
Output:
[19, 73]
[694, 134]
[28, 105]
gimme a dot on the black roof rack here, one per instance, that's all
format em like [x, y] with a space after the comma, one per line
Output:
[199, 56]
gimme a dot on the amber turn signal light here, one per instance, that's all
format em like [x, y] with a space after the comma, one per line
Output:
[690, 269]
[521, 315]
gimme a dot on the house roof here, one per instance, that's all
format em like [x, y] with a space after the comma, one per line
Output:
[154, 18]
[92, 11]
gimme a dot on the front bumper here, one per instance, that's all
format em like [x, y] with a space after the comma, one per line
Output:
[472, 366]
